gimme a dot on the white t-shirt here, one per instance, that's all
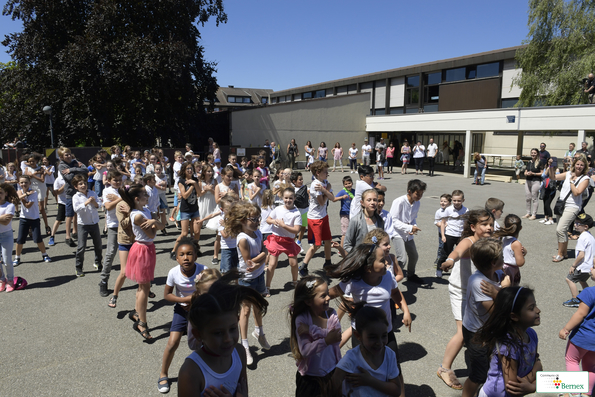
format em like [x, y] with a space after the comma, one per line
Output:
[139, 233]
[432, 149]
[258, 198]
[265, 228]
[454, 221]
[351, 362]
[86, 214]
[255, 245]
[50, 178]
[33, 212]
[585, 243]
[366, 150]
[153, 194]
[475, 315]
[439, 215]
[7, 208]
[572, 200]
[375, 296]
[356, 203]
[315, 210]
[353, 153]
[419, 151]
[58, 183]
[291, 218]
[176, 168]
[229, 242]
[185, 286]
[110, 216]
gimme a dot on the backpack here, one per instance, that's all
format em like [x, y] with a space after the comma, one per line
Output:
[301, 197]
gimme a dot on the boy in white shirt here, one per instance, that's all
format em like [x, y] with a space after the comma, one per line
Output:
[404, 216]
[581, 269]
[452, 229]
[85, 205]
[153, 193]
[60, 191]
[111, 198]
[445, 202]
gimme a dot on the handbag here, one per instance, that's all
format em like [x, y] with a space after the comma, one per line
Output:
[560, 204]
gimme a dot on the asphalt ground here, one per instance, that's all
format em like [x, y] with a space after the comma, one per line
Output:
[59, 337]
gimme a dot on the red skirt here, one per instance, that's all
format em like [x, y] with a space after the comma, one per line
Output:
[278, 245]
[140, 266]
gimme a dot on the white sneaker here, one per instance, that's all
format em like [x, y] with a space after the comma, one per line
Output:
[543, 220]
[439, 273]
[548, 223]
[301, 248]
[262, 339]
[249, 359]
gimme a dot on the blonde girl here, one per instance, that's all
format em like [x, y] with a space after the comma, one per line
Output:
[11, 175]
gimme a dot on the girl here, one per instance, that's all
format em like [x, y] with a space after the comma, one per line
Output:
[264, 171]
[49, 179]
[189, 215]
[309, 153]
[243, 221]
[390, 154]
[370, 368]
[218, 367]
[91, 174]
[225, 186]
[580, 348]
[364, 277]
[286, 221]
[547, 192]
[405, 153]
[182, 278]
[337, 153]
[229, 252]
[216, 152]
[206, 199]
[37, 177]
[353, 158]
[140, 265]
[11, 175]
[514, 253]
[480, 168]
[380, 160]
[99, 165]
[202, 284]
[322, 152]
[315, 335]
[116, 152]
[256, 188]
[478, 224]
[281, 184]
[532, 184]
[8, 201]
[363, 222]
[162, 185]
[508, 334]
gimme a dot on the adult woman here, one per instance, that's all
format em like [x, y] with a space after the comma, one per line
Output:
[446, 153]
[353, 158]
[575, 183]
[480, 168]
[419, 152]
[322, 152]
[337, 153]
[456, 152]
[292, 153]
[405, 156]
[532, 185]
[309, 151]
[390, 154]
[548, 193]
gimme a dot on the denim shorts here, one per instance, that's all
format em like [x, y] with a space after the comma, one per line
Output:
[69, 207]
[163, 204]
[180, 320]
[254, 283]
[186, 216]
[124, 247]
[229, 260]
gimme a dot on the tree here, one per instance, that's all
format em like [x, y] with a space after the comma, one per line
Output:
[559, 52]
[113, 71]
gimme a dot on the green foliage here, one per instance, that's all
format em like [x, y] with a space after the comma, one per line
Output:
[126, 71]
[559, 52]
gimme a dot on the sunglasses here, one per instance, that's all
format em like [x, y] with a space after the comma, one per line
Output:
[254, 220]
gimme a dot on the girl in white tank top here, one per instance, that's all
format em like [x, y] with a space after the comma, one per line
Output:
[513, 250]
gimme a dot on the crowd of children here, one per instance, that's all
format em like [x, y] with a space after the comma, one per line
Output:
[258, 216]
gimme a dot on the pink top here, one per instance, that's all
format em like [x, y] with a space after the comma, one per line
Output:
[337, 153]
[318, 358]
[390, 152]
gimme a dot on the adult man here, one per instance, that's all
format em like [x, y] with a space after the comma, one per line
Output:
[585, 150]
[568, 156]
[544, 155]
[432, 151]
[590, 88]
[366, 150]
[381, 145]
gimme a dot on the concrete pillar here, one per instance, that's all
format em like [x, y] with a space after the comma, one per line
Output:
[580, 139]
[467, 163]
[519, 143]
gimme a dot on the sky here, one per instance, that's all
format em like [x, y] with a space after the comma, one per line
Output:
[280, 44]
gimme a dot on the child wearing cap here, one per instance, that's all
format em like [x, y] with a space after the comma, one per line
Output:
[580, 270]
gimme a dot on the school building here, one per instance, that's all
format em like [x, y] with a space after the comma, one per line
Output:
[468, 99]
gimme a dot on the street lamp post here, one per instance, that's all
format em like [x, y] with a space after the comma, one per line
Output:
[48, 110]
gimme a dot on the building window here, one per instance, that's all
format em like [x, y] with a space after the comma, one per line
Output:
[430, 108]
[509, 103]
[412, 91]
[412, 110]
[352, 88]
[246, 100]
[454, 74]
[307, 95]
[488, 70]
[274, 100]
[379, 112]
[264, 100]
[397, 110]
[239, 99]
[320, 94]
[433, 78]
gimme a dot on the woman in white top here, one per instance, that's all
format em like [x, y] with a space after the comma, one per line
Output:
[576, 181]
[353, 158]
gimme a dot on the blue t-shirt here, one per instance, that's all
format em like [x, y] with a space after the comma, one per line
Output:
[584, 335]
[90, 177]
[346, 202]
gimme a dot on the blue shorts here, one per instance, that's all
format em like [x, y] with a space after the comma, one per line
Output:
[24, 226]
[175, 199]
[254, 283]
[186, 216]
[124, 247]
[229, 260]
[69, 208]
[180, 320]
[163, 204]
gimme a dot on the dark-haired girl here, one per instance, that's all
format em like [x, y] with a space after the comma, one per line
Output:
[514, 253]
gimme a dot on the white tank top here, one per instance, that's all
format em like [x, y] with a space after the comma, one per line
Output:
[509, 258]
[461, 271]
[229, 379]
[139, 234]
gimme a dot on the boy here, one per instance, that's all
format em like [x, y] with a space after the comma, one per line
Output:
[237, 172]
[137, 160]
[59, 190]
[366, 176]
[345, 205]
[519, 165]
[302, 202]
[162, 185]
[581, 269]
[495, 207]
[451, 228]
[445, 201]
[486, 254]
[153, 193]
[195, 157]
[263, 170]
[403, 212]
[29, 220]
[111, 198]
[85, 205]
[69, 167]
[319, 230]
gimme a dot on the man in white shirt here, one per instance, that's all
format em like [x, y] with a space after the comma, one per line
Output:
[432, 151]
[366, 150]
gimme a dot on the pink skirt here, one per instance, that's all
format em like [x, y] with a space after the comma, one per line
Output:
[140, 266]
[278, 245]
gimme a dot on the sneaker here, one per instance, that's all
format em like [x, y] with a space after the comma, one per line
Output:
[298, 242]
[79, 273]
[303, 270]
[543, 220]
[16, 262]
[47, 259]
[249, 359]
[98, 266]
[163, 387]
[51, 242]
[574, 302]
[75, 236]
[548, 223]
[71, 242]
[215, 261]
[9, 286]
[439, 273]
[2, 285]
[262, 339]
[103, 289]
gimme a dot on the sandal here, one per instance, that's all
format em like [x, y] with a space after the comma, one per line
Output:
[558, 258]
[112, 301]
[267, 294]
[452, 378]
[145, 334]
[133, 315]
[48, 230]
[152, 295]
[163, 388]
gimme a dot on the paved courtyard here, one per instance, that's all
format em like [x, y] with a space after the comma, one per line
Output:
[60, 338]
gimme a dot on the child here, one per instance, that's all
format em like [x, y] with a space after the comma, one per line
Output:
[364, 277]
[182, 278]
[229, 251]
[286, 221]
[319, 230]
[219, 364]
[246, 180]
[302, 202]
[369, 369]
[179, 160]
[37, 175]
[514, 253]
[111, 199]
[8, 201]
[366, 220]
[519, 165]
[403, 212]
[162, 186]
[29, 220]
[315, 336]
[366, 176]
[202, 282]
[452, 229]
[11, 175]
[385, 215]
[583, 264]
[59, 189]
[225, 186]
[279, 186]
[243, 221]
[49, 178]
[495, 207]
[486, 254]
[514, 361]
[268, 205]
[150, 186]
[69, 167]
[445, 201]
[256, 188]
[85, 205]
[478, 224]
[206, 198]
[345, 204]
[263, 170]
[189, 215]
